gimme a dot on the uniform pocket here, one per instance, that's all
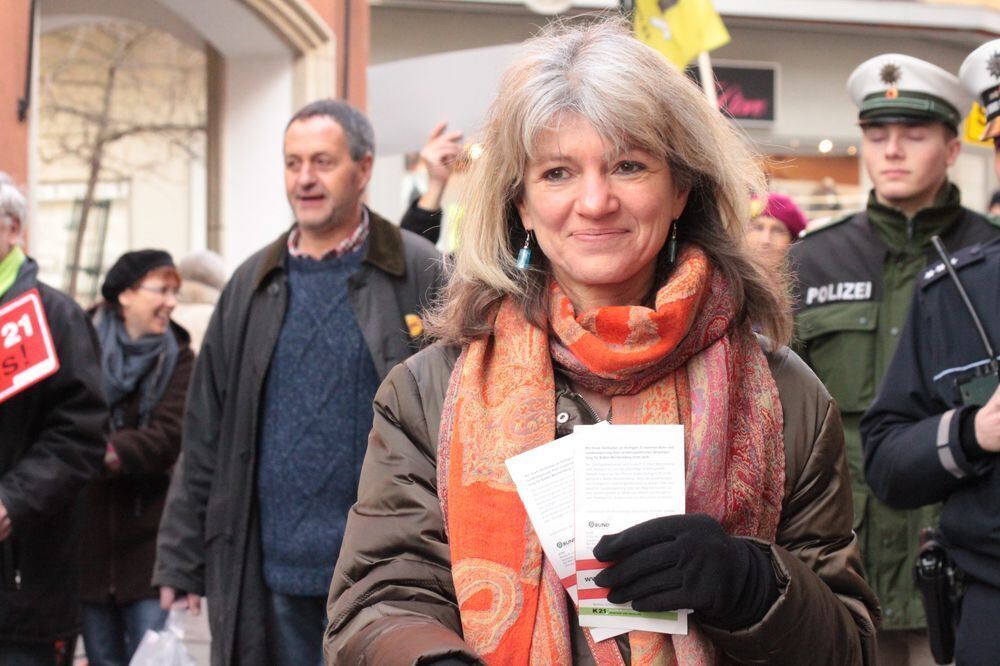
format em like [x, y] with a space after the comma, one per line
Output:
[840, 341]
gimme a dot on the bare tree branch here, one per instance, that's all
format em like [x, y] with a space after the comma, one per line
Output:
[106, 84]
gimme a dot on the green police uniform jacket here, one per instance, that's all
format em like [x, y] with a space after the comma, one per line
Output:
[855, 283]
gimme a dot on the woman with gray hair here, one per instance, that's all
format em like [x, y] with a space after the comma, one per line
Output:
[601, 274]
[52, 428]
[13, 209]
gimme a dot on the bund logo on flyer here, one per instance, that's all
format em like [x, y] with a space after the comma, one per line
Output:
[27, 355]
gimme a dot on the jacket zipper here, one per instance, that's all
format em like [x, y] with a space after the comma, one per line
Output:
[590, 410]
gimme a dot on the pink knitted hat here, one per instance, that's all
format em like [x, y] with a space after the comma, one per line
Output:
[782, 208]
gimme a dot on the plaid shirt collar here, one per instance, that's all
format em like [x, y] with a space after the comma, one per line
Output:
[349, 244]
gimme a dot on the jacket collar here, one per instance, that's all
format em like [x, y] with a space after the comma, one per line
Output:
[914, 234]
[385, 250]
[385, 246]
[27, 277]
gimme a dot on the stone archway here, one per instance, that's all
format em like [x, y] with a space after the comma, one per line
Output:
[306, 31]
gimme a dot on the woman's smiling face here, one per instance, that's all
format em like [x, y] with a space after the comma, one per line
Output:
[599, 215]
[146, 308]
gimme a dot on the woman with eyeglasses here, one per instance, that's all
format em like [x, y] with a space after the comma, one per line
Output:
[146, 361]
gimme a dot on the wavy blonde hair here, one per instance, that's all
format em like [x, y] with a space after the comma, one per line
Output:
[634, 99]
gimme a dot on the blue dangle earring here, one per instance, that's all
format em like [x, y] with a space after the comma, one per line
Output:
[524, 256]
[671, 244]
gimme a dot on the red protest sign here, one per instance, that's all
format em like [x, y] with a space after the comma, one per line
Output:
[27, 355]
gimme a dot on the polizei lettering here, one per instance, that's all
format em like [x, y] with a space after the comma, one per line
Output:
[841, 291]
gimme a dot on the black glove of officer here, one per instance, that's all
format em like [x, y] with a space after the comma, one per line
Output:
[688, 561]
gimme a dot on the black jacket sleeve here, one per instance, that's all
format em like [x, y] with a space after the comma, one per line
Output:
[913, 451]
[69, 447]
[426, 223]
[180, 544]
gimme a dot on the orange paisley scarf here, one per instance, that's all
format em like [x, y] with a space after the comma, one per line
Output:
[683, 362]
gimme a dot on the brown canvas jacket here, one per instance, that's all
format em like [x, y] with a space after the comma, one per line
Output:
[392, 599]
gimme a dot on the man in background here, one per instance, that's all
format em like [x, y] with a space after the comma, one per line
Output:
[52, 429]
[280, 404]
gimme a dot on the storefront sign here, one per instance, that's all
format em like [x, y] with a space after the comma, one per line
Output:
[747, 91]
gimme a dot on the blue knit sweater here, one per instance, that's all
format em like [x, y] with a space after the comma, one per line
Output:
[317, 413]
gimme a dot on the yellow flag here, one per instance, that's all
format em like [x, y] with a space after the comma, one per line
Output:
[679, 29]
[975, 125]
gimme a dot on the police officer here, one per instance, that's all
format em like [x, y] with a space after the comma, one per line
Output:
[933, 433]
[980, 74]
[855, 283]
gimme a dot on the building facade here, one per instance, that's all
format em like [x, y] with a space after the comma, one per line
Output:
[440, 59]
[264, 59]
[412, 63]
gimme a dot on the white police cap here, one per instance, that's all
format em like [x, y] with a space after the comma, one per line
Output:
[899, 88]
[980, 74]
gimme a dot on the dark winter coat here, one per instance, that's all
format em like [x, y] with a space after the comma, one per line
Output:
[392, 599]
[123, 508]
[209, 541]
[914, 453]
[52, 440]
[855, 285]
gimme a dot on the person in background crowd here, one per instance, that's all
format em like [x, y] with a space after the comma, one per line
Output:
[439, 154]
[203, 275]
[280, 404]
[623, 196]
[52, 440]
[146, 360]
[825, 197]
[855, 283]
[994, 209]
[933, 433]
[776, 224]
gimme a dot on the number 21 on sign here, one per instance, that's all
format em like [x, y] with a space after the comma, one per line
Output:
[11, 332]
[27, 354]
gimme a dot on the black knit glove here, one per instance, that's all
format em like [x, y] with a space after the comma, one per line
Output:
[688, 562]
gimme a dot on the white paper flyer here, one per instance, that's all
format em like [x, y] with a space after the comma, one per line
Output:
[544, 478]
[624, 475]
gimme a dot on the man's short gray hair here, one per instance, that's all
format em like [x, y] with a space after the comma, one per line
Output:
[360, 135]
[12, 203]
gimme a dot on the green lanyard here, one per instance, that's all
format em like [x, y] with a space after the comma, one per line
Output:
[9, 266]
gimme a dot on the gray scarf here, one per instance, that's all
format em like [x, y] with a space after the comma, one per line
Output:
[146, 364]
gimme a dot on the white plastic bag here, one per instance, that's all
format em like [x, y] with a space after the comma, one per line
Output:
[165, 647]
